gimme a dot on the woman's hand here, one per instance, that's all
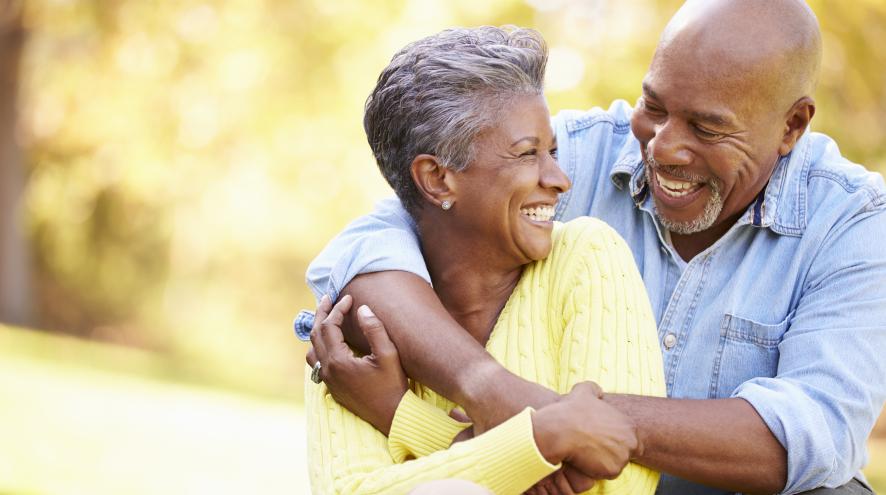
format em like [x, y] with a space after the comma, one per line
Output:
[370, 386]
[586, 432]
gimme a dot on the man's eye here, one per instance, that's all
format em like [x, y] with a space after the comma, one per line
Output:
[651, 108]
[706, 134]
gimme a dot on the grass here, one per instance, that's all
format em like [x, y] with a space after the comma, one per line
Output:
[84, 418]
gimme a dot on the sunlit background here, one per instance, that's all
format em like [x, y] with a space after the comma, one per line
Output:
[169, 168]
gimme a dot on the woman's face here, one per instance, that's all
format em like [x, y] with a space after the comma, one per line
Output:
[506, 197]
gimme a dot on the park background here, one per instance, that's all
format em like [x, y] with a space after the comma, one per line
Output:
[169, 168]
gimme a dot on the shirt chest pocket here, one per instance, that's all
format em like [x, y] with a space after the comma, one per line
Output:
[748, 349]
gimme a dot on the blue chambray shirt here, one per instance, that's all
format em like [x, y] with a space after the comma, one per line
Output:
[787, 310]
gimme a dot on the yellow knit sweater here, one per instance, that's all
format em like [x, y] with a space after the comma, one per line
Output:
[580, 314]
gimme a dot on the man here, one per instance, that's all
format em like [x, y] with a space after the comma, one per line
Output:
[758, 244]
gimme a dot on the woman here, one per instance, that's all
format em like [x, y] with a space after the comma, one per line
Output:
[461, 131]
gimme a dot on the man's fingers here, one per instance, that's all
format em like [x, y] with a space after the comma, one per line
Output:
[375, 333]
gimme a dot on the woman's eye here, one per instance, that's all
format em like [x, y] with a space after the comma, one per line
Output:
[528, 153]
[553, 153]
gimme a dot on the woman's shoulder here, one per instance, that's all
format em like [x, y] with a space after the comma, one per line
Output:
[578, 236]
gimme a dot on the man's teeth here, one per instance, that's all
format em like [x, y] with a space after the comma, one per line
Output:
[676, 188]
[539, 213]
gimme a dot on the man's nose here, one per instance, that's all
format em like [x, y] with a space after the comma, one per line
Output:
[669, 145]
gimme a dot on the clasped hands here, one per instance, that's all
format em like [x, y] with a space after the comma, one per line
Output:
[592, 438]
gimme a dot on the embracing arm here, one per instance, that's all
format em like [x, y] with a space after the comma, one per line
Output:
[437, 352]
[377, 259]
[722, 443]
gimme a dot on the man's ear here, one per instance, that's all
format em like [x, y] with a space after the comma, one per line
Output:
[433, 180]
[796, 122]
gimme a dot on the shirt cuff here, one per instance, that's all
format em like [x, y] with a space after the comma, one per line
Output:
[419, 428]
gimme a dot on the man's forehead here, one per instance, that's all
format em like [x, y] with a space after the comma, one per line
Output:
[695, 106]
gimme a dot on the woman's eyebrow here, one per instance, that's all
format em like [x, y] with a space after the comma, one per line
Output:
[531, 139]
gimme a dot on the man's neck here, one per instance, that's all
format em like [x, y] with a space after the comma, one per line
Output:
[688, 246]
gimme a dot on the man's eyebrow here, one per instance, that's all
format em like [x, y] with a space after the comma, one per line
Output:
[711, 118]
[648, 90]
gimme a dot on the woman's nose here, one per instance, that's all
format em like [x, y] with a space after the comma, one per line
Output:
[553, 177]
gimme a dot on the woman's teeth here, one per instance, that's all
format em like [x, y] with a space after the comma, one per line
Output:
[677, 188]
[539, 213]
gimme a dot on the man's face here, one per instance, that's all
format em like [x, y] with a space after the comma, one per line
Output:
[708, 142]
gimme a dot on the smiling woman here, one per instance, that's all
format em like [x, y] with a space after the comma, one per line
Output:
[461, 131]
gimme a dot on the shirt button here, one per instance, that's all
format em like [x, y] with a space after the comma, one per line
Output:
[670, 341]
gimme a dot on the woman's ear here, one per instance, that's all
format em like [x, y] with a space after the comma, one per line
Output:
[795, 125]
[433, 180]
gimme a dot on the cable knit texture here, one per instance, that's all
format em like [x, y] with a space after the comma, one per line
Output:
[580, 314]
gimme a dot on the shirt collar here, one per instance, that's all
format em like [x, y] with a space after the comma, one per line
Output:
[781, 206]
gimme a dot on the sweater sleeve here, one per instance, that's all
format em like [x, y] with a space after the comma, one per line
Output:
[609, 333]
[419, 429]
[347, 455]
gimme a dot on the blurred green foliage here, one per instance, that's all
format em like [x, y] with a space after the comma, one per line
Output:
[187, 159]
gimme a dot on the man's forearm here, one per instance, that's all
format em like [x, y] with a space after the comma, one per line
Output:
[721, 442]
[436, 351]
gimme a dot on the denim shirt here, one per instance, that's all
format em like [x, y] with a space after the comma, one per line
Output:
[787, 310]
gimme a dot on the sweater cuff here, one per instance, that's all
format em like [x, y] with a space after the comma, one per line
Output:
[419, 428]
[516, 464]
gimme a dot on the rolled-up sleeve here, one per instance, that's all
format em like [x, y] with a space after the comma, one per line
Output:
[831, 380]
[384, 240]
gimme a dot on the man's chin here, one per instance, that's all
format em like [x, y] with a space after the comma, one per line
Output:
[700, 223]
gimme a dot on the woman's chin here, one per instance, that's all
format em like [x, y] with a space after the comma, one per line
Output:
[537, 250]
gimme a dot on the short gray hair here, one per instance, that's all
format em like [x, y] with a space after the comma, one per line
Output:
[438, 94]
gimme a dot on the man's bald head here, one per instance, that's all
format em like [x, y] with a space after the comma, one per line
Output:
[776, 42]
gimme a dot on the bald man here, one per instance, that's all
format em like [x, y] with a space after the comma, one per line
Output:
[759, 244]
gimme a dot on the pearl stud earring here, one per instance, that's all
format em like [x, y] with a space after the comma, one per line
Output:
[446, 204]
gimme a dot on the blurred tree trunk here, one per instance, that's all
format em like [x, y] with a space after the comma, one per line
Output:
[15, 274]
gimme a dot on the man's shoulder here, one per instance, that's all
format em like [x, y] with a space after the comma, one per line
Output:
[834, 182]
[616, 119]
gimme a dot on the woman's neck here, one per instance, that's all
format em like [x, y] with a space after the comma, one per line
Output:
[471, 280]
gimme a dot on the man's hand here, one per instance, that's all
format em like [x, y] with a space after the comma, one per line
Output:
[370, 386]
[590, 434]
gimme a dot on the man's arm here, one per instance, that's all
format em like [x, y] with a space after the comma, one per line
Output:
[721, 442]
[384, 248]
[823, 402]
[436, 351]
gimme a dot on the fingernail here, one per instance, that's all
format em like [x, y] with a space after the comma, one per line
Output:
[324, 299]
[365, 312]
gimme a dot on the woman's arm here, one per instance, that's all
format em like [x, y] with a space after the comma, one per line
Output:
[348, 455]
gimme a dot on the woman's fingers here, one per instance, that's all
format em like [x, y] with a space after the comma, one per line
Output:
[562, 484]
[330, 328]
[579, 482]
[311, 357]
[376, 334]
[320, 316]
